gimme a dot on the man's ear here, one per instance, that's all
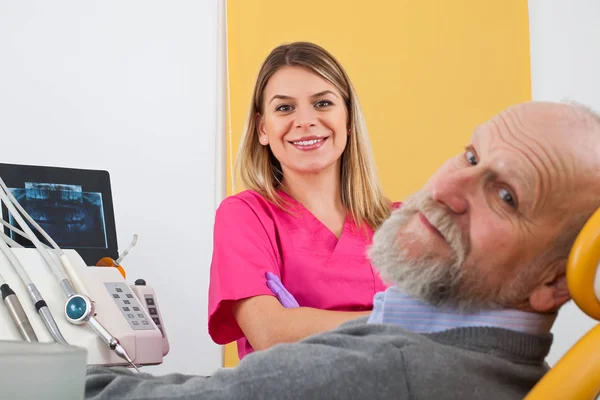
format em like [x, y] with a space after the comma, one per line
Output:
[550, 295]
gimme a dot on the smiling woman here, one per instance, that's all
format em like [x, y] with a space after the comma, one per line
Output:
[311, 206]
[304, 122]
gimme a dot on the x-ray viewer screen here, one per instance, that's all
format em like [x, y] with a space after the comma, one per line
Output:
[71, 216]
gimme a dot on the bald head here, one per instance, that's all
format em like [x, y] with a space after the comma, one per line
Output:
[563, 142]
[572, 125]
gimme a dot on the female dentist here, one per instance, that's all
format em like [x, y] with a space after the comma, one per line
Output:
[308, 214]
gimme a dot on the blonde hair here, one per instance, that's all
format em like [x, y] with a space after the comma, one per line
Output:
[261, 171]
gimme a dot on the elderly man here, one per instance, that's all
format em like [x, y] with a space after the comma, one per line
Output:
[478, 261]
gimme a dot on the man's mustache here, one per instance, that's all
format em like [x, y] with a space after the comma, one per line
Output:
[441, 218]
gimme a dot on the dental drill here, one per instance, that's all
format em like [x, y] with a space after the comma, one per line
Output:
[79, 308]
[16, 311]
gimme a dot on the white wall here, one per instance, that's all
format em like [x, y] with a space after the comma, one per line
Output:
[565, 64]
[127, 86]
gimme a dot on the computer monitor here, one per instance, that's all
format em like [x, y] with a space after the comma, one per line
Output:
[74, 206]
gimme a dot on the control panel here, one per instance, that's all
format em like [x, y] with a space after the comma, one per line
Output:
[129, 306]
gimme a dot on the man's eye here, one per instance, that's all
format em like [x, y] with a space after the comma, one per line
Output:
[283, 108]
[507, 197]
[471, 158]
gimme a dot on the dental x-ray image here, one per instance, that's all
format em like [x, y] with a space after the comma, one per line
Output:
[73, 205]
[72, 217]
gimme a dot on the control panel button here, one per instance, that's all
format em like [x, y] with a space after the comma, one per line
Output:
[131, 308]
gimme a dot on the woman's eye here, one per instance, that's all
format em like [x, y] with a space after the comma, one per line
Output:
[283, 108]
[323, 103]
[471, 158]
[507, 197]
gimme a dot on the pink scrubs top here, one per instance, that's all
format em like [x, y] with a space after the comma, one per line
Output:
[253, 236]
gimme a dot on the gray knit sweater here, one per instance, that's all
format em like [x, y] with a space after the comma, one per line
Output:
[357, 361]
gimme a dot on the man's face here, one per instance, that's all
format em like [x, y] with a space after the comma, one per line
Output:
[471, 238]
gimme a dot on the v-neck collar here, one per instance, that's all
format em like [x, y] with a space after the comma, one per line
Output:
[318, 229]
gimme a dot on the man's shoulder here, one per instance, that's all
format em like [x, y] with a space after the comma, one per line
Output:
[446, 359]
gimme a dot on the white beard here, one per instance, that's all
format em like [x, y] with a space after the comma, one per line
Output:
[429, 277]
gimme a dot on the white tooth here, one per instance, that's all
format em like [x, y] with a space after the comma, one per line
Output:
[308, 142]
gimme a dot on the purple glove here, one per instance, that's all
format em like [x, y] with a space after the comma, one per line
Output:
[284, 297]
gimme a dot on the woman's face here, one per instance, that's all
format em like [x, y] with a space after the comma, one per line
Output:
[305, 121]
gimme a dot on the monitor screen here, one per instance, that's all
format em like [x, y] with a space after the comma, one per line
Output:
[73, 206]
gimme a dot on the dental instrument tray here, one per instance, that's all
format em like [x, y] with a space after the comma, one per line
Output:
[48, 290]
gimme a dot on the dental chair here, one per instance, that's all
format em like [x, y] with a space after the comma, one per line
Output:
[577, 374]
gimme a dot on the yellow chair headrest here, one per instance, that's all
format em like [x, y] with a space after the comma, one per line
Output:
[582, 267]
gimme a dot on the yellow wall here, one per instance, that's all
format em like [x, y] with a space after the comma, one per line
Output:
[426, 71]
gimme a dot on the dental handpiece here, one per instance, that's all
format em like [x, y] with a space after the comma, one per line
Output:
[79, 309]
[18, 314]
[111, 341]
[45, 314]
